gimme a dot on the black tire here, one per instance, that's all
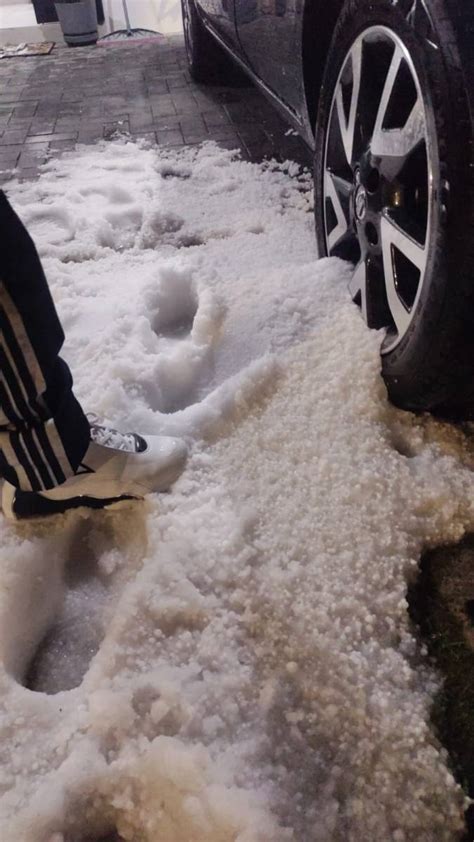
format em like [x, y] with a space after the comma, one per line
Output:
[431, 366]
[208, 63]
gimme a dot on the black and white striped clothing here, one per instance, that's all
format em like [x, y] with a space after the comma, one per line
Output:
[43, 431]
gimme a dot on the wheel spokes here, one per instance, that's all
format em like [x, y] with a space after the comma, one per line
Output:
[378, 180]
[358, 287]
[397, 141]
[347, 126]
[394, 238]
[338, 192]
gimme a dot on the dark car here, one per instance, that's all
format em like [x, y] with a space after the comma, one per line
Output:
[383, 92]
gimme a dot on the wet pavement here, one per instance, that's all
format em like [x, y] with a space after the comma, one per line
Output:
[49, 104]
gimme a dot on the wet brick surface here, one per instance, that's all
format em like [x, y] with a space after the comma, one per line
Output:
[49, 104]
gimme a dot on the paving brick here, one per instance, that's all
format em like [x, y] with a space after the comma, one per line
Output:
[160, 99]
[215, 118]
[62, 145]
[30, 93]
[139, 96]
[17, 82]
[184, 103]
[91, 109]
[162, 109]
[28, 163]
[140, 122]
[113, 105]
[193, 125]
[169, 66]
[157, 87]
[145, 135]
[13, 136]
[6, 98]
[90, 133]
[136, 102]
[36, 149]
[46, 138]
[115, 129]
[193, 139]
[172, 137]
[207, 99]
[25, 110]
[69, 109]
[46, 112]
[41, 128]
[251, 132]
[177, 81]
[72, 95]
[219, 133]
[164, 123]
[28, 174]
[9, 155]
[21, 123]
[67, 124]
[82, 95]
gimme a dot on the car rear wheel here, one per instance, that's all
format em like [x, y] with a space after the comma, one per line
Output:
[394, 194]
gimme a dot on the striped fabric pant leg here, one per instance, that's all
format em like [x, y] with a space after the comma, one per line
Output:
[44, 433]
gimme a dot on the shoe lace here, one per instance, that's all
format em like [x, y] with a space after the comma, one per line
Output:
[109, 437]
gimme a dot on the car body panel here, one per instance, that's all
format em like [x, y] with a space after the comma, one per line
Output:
[246, 29]
[269, 32]
[283, 45]
[219, 17]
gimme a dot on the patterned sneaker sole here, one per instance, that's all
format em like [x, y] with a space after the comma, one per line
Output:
[27, 505]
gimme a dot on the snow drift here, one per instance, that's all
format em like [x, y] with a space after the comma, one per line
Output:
[233, 660]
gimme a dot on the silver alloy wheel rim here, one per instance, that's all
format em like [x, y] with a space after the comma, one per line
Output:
[378, 180]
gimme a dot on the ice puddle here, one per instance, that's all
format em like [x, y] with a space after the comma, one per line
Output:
[233, 660]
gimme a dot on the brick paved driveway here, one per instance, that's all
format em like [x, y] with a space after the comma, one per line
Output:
[49, 104]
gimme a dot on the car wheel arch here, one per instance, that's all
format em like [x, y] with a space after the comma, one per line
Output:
[319, 21]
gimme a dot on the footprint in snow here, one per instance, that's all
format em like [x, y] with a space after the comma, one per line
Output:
[187, 241]
[172, 304]
[187, 324]
[50, 225]
[168, 170]
[159, 228]
[110, 193]
[99, 560]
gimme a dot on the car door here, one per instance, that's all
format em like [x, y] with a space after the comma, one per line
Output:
[269, 32]
[220, 15]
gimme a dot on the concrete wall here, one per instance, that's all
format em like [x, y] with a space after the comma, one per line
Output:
[18, 21]
[161, 15]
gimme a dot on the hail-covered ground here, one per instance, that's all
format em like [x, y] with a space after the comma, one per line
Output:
[232, 661]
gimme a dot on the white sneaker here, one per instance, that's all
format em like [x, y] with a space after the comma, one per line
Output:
[116, 467]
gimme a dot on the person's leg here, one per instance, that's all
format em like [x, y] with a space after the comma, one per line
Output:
[44, 433]
[51, 458]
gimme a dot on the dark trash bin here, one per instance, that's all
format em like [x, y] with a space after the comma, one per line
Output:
[78, 19]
